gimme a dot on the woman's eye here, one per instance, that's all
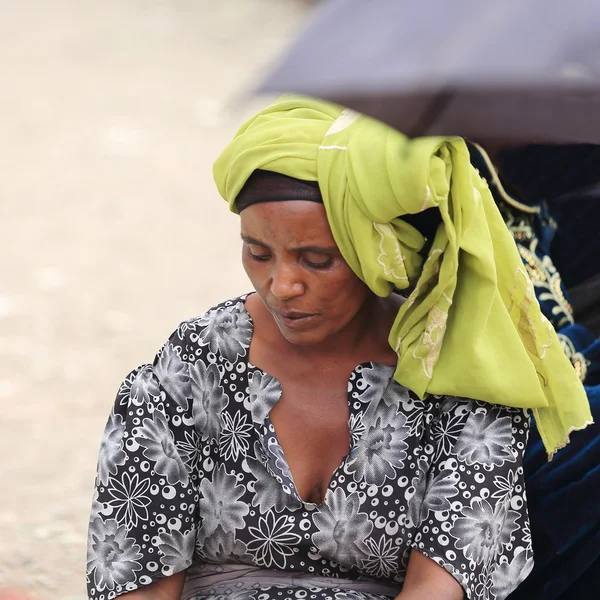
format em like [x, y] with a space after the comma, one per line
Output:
[258, 256]
[321, 264]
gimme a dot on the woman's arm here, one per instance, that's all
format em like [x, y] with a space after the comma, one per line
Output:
[426, 580]
[169, 588]
[143, 462]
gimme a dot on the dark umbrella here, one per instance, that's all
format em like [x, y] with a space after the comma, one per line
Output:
[509, 71]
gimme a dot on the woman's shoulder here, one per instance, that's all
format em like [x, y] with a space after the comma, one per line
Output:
[480, 432]
[218, 339]
[438, 405]
[223, 332]
[459, 405]
[462, 423]
[477, 414]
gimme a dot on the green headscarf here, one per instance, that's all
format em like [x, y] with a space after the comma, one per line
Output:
[472, 327]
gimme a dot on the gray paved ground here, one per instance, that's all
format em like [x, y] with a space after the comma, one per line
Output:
[111, 231]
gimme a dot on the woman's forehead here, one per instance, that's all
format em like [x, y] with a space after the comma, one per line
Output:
[294, 223]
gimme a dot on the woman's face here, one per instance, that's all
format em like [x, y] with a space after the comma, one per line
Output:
[297, 270]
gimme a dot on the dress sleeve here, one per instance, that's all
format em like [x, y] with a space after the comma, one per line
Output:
[144, 516]
[470, 505]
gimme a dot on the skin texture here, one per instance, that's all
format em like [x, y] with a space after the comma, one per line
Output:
[314, 281]
[296, 269]
[169, 588]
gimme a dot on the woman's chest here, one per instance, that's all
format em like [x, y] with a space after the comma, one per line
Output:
[311, 424]
[250, 511]
[251, 507]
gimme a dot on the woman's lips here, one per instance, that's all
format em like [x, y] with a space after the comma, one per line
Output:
[293, 320]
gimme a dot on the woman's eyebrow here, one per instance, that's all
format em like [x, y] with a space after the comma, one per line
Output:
[319, 249]
[312, 248]
[251, 240]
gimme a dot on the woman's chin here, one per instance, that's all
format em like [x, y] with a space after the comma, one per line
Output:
[302, 338]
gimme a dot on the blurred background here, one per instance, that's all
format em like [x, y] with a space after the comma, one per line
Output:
[112, 231]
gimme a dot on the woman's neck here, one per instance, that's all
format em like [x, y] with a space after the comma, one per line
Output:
[363, 339]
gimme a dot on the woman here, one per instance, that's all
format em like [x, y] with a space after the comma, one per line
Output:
[320, 438]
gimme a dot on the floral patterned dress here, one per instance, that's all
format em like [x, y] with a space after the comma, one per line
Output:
[191, 475]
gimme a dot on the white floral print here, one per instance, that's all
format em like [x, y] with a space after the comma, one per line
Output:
[177, 549]
[412, 408]
[280, 466]
[173, 374]
[268, 493]
[144, 387]
[357, 428]
[125, 395]
[235, 435]
[354, 595]
[382, 557]
[264, 392]
[191, 472]
[381, 449]
[343, 529]
[445, 433]
[221, 546]
[273, 540]
[373, 381]
[504, 485]
[209, 399]
[484, 529]
[189, 449]
[486, 438]
[113, 558]
[97, 507]
[235, 595]
[157, 439]
[226, 331]
[433, 492]
[220, 504]
[508, 575]
[111, 454]
[130, 499]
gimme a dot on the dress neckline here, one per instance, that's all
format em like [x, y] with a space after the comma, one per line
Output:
[277, 454]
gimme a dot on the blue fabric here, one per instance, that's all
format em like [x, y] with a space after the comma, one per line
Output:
[564, 509]
[550, 172]
[564, 494]
[564, 500]
[576, 247]
[583, 339]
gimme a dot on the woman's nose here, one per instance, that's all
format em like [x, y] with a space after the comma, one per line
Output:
[286, 282]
